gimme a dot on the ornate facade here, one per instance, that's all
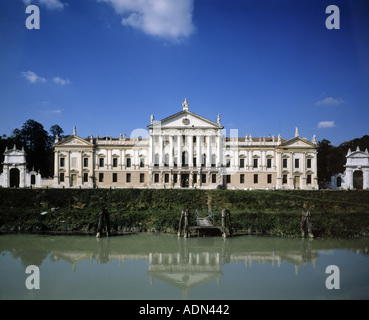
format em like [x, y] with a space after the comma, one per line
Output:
[356, 175]
[15, 173]
[186, 150]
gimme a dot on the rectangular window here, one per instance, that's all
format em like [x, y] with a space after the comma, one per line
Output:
[166, 178]
[255, 163]
[85, 162]
[256, 178]
[242, 178]
[297, 163]
[213, 161]
[269, 163]
[156, 177]
[61, 177]
[284, 179]
[128, 177]
[101, 162]
[128, 162]
[85, 177]
[175, 178]
[115, 177]
[101, 177]
[203, 178]
[242, 163]
[115, 162]
[228, 163]
[308, 163]
[142, 162]
[308, 179]
[214, 178]
[195, 178]
[142, 177]
[62, 162]
[269, 178]
[284, 163]
[228, 178]
[194, 161]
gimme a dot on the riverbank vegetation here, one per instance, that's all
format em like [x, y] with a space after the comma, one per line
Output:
[343, 214]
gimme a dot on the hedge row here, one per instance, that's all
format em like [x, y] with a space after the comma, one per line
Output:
[335, 213]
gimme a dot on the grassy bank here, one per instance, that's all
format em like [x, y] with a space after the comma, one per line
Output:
[335, 213]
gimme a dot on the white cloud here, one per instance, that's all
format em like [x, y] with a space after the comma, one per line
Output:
[329, 101]
[55, 111]
[61, 81]
[32, 77]
[49, 4]
[169, 19]
[326, 124]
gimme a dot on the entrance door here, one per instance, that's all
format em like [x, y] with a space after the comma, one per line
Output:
[73, 180]
[185, 180]
[358, 179]
[297, 182]
[14, 178]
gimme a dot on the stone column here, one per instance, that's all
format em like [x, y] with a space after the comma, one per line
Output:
[108, 160]
[161, 158]
[67, 169]
[179, 155]
[80, 168]
[198, 152]
[249, 159]
[171, 151]
[208, 157]
[56, 166]
[151, 150]
[315, 168]
[291, 178]
[219, 159]
[124, 159]
[303, 177]
[279, 169]
[190, 153]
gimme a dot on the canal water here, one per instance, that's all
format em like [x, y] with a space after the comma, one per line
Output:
[165, 267]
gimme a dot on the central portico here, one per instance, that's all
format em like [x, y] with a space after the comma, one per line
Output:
[185, 150]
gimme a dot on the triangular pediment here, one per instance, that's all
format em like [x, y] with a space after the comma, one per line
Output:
[297, 143]
[73, 141]
[186, 119]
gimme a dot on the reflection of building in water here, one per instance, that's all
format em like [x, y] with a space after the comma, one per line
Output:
[191, 263]
[185, 272]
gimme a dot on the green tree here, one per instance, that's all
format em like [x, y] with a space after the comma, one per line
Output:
[37, 143]
[324, 149]
[56, 131]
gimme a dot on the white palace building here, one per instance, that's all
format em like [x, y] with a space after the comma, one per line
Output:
[186, 150]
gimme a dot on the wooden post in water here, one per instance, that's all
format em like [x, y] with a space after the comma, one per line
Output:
[223, 223]
[187, 222]
[229, 223]
[226, 220]
[181, 223]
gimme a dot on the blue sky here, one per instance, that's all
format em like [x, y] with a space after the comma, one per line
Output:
[265, 66]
